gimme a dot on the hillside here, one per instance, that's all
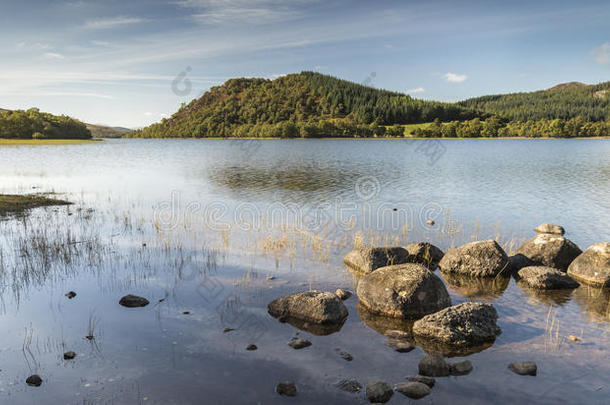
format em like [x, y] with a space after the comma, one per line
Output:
[33, 124]
[306, 104]
[564, 101]
[101, 131]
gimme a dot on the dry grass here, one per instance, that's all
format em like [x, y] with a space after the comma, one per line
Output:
[18, 204]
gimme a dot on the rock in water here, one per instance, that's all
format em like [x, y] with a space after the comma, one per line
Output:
[415, 390]
[34, 380]
[69, 355]
[524, 368]
[366, 260]
[429, 381]
[286, 388]
[349, 385]
[399, 345]
[133, 301]
[550, 228]
[477, 259]
[593, 266]
[70, 294]
[548, 250]
[251, 347]
[433, 365]
[344, 355]
[424, 253]
[460, 368]
[466, 324]
[546, 278]
[379, 392]
[343, 294]
[403, 291]
[298, 343]
[311, 306]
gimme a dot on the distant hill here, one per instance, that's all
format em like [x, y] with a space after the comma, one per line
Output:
[33, 124]
[306, 104]
[101, 131]
[564, 101]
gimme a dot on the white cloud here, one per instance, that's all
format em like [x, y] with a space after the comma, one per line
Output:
[243, 11]
[455, 78]
[52, 55]
[602, 54]
[416, 90]
[104, 23]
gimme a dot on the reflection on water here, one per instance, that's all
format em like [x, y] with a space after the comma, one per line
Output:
[547, 297]
[209, 282]
[313, 328]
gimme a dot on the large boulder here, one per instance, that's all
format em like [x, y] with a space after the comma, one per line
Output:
[403, 291]
[470, 323]
[311, 306]
[424, 253]
[545, 278]
[366, 260]
[547, 250]
[478, 259]
[593, 265]
[550, 228]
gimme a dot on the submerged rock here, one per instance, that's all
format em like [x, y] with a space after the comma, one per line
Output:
[545, 278]
[548, 250]
[352, 385]
[298, 343]
[400, 345]
[413, 389]
[460, 368]
[524, 368]
[478, 259]
[286, 388]
[366, 260]
[424, 253]
[429, 381]
[379, 392]
[344, 355]
[434, 365]
[593, 265]
[251, 347]
[34, 380]
[69, 355]
[313, 328]
[403, 291]
[343, 294]
[470, 323]
[133, 301]
[550, 228]
[312, 306]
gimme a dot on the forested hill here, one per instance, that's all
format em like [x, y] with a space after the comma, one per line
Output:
[33, 124]
[564, 101]
[306, 104]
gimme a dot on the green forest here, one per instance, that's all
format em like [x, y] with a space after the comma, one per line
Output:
[33, 124]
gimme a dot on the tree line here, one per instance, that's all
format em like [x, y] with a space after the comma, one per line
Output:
[33, 124]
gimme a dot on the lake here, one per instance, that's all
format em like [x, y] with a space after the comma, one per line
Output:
[210, 231]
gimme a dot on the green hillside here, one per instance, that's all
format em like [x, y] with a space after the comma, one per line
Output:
[101, 131]
[306, 104]
[33, 124]
[564, 101]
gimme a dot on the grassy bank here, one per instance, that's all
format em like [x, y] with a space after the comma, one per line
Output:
[18, 204]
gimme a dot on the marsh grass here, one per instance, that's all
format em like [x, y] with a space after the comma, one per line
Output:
[19, 204]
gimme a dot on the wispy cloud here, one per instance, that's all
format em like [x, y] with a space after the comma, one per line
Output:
[416, 90]
[105, 23]
[52, 55]
[455, 78]
[602, 54]
[244, 11]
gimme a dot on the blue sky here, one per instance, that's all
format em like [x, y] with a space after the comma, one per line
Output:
[114, 62]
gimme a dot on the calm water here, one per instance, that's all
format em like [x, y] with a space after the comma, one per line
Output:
[202, 224]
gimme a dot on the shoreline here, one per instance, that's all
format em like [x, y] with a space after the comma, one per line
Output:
[371, 138]
[17, 142]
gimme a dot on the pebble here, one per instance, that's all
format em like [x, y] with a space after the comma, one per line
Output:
[251, 347]
[34, 380]
[298, 343]
[70, 294]
[429, 381]
[433, 365]
[524, 368]
[69, 355]
[460, 368]
[286, 388]
[415, 390]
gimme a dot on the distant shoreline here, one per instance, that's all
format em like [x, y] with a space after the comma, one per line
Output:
[17, 142]
[371, 138]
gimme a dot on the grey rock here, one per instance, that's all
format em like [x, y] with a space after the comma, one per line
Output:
[545, 278]
[69, 355]
[399, 345]
[429, 381]
[550, 228]
[299, 343]
[460, 368]
[344, 355]
[477, 259]
[133, 301]
[524, 368]
[379, 392]
[366, 260]
[549, 250]
[413, 389]
[286, 388]
[251, 347]
[311, 306]
[349, 385]
[424, 253]
[593, 265]
[70, 294]
[34, 380]
[343, 294]
[469, 323]
[403, 291]
[434, 365]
